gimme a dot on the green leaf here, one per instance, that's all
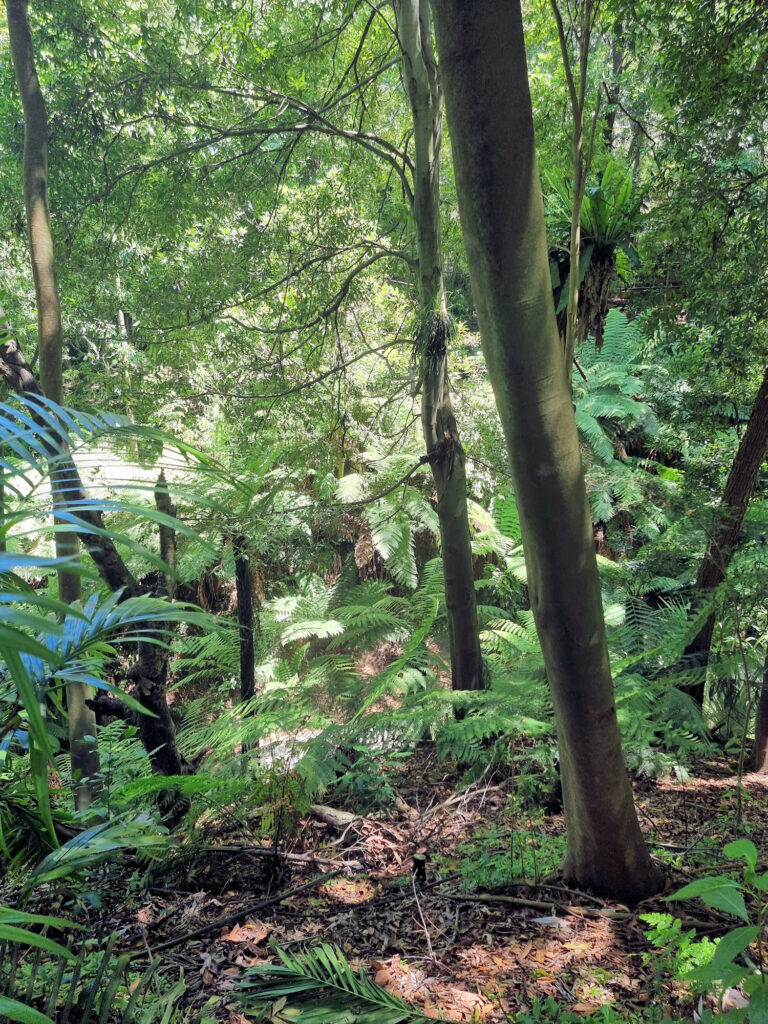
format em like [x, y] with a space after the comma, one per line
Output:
[744, 848]
[14, 1010]
[8, 916]
[24, 937]
[757, 1011]
[735, 942]
[721, 893]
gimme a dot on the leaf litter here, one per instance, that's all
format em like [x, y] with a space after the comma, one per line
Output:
[450, 951]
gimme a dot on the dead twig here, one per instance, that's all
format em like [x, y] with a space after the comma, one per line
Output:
[430, 950]
[234, 917]
[272, 854]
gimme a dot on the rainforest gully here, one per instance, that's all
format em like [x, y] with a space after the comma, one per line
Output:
[383, 516]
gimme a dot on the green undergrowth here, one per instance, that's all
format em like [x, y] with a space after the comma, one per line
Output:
[496, 856]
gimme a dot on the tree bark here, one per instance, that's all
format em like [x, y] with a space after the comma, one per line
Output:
[245, 617]
[759, 759]
[151, 672]
[81, 719]
[164, 504]
[158, 737]
[577, 90]
[728, 524]
[488, 103]
[614, 92]
[439, 427]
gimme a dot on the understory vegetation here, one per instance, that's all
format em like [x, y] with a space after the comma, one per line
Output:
[305, 613]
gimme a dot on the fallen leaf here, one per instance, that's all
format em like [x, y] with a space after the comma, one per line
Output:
[585, 1008]
[254, 932]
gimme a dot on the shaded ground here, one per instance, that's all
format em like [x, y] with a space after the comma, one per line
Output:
[471, 955]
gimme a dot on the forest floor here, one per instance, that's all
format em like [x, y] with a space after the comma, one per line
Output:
[467, 943]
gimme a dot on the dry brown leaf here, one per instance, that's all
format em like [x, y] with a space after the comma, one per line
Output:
[253, 932]
[364, 550]
[585, 1008]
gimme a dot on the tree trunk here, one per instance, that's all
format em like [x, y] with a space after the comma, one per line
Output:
[759, 759]
[489, 110]
[156, 731]
[614, 92]
[580, 161]
[164, 504]
[728, 524]
[441, 434]
[82, 721]
[150, 670]
[245, 617]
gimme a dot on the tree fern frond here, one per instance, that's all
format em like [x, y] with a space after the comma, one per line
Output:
[506, 516]
[303, 630]
[594, 435]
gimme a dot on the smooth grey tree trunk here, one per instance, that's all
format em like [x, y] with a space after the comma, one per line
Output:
[439, 427]
[484, 75]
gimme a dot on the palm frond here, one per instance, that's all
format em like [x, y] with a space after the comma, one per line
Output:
[300, 978]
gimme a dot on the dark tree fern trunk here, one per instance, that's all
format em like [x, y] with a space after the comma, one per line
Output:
[441, 433]
[485, 78]
[245, 617]
[727, 526]
[759, 759]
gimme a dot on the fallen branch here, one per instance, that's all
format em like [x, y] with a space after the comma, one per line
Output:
[271, 853]
[234, 917]
[333, 816]
[569, 909]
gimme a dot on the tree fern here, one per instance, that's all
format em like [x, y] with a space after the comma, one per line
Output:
[214, 654]
[506, 516]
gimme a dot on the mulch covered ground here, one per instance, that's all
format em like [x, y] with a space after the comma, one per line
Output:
[466, 955]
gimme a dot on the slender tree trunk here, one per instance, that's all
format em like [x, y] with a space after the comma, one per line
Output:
[164, 504]
[441, 434]
[150, 675]
[581, 161]
[729, 520]
[617, 61]
[245, 617]
[156, 733]
[759, 759]
[82, 721]
[484, 74]
[123, 326]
